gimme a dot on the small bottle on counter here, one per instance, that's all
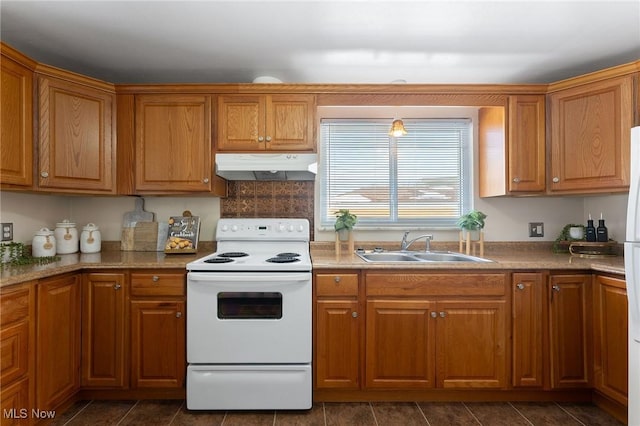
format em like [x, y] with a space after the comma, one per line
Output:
[602, 234]
[590, 231]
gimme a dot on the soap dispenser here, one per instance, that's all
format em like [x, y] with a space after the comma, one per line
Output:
[602, 234]
[590, 231]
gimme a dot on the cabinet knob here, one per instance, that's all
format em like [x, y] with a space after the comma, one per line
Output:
[44, 174]
[555, 179]
[516, 180]
[443, 314]
[205, 180]
[434, 314]
[117, 287]
[337, 279]
[178, 314]
[520, 286]
[155, 278]
[354, 314]
[556, 288]
[260, 138]
[268, 138]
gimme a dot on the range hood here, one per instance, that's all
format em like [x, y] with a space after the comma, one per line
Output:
[267, 166]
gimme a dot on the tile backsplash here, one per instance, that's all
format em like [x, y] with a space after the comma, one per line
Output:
[269, 199]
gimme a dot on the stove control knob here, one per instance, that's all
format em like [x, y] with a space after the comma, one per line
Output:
[281, 228]
[234, 228]
[290, 228]
[300, 228]
[225, 228]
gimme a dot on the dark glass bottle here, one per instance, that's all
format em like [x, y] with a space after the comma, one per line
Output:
[602, 235]
[590, 231]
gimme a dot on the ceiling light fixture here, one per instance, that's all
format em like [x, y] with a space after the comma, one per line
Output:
[397, 129]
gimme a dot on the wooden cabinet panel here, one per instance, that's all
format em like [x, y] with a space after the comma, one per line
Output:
[590, 136]
[400, 346]
[570, 325]
[173, 143]
[434, 284]
[528, 292]
[15, 403]
[16, 131]
[611, 338]
[77, 137]
[103, 330]
[481, 363]
[158, 356]
[158, 284]
[337, 284]
[337, 360]
[276, 122]
[58, 340]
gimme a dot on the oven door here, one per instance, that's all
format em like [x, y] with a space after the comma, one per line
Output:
[248, 317]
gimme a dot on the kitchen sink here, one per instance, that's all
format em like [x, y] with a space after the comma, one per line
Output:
[418, 256]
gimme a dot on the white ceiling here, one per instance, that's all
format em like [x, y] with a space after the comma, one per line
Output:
[326, 41]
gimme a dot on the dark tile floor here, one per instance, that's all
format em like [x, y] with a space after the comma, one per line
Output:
[173, 412]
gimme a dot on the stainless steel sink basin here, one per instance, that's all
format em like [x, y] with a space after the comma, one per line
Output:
[419, 257]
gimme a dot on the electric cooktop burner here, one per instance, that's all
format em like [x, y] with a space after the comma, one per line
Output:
[287, 254]
[234, 254]
[218, 260]
[283, 259]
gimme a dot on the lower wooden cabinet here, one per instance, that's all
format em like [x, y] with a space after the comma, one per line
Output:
[570, 331]
[528, 324]
[158, 329]
[337, 331]
[611, 337]
[104, 330]
[58, 340]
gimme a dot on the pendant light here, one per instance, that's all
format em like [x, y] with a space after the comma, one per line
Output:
[397, 128]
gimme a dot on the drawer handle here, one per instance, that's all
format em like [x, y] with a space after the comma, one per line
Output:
[516, 180]
[155, 278]
[178, 314]
[260, 138]
[434, 315]
[556, 179]
[354, 314]
[268, 138]
[117, 287]
[337, 279]
[44, 174]
[205, 180]
[443, 314]
[556, 287]
[520, 286]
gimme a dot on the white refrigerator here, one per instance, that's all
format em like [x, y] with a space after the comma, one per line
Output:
[632, 277]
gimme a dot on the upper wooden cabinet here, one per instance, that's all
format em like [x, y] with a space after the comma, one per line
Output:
[512, 147]
[76, 146]
[590, 136]
[173, 143]
[16, 115]
[266, 122]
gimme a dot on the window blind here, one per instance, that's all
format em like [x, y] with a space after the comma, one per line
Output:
[421, 179]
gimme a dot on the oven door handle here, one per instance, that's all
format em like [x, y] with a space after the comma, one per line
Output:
[250, 278]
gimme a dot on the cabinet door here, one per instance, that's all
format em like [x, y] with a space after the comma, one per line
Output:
[58, 340]
[526, 143]
[77, 137]
[173, 143]
[241, 123]
[400, 345]
[569, 323]
[590, 136]
[16, 131]
[611, 337]
[479, 362]
[337, 362]
[290, 123]
[528, 291]
[103, 330]
[158, 351]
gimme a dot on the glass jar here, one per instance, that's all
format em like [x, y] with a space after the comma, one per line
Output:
[66, 237]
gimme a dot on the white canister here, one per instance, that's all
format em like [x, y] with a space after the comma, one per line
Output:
[44, 243]
[66, 237]
[90, 239]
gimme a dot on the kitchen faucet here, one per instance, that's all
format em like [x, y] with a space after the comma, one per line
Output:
[404, 244]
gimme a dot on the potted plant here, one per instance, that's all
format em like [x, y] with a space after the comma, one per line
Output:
[472, 221]
[345, 222]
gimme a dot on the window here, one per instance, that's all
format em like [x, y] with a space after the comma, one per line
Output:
[418, 180]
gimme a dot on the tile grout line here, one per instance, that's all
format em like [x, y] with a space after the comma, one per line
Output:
[422, 412]
[472, 414]
[373, 413]
[324, 414]
[78, 413]
[522, 415]
[572, 416]
[177, 411]
[275, 413]
[129, 411]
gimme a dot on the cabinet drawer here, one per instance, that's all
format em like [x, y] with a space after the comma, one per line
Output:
[337, 284]
[14, 351]
[14, 305]
[394, 284]
[159, 284]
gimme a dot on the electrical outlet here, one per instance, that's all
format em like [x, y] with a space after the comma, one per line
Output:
[536, 229]
[7, 231]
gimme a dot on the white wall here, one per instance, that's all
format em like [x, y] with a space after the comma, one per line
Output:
[614, 211]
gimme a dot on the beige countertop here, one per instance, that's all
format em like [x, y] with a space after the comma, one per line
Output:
[512, 256]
